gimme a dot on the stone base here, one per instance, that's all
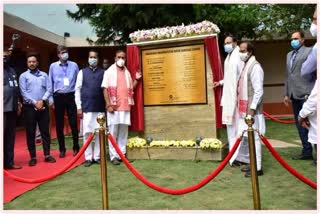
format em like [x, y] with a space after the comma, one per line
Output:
[177, 153]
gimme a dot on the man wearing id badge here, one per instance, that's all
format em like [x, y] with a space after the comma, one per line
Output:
[62, 80]
[11, 109]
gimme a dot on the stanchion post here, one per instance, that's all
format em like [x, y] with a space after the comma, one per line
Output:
[103, 164]
[253, 164]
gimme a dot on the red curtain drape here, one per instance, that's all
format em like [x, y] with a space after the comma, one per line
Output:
[133, 65]
[212, 48]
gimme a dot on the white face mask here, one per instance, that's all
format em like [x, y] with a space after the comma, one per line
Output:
[313, 30]
[244, 56]
[92, 61]
[64, 56]
[120, 62]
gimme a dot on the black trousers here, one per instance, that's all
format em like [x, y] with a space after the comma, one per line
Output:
[9, 134]
[32, 118]
[64, 102]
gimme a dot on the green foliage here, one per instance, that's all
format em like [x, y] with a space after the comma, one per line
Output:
[114, 22]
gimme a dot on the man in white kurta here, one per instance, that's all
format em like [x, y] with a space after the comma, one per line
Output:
[250, 92]
[90, 103]
[118, 94]
[308, 118]
[232, 68]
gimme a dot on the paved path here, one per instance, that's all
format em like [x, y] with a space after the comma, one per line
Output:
[281, 144]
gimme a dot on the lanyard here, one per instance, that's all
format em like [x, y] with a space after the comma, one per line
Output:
[65, 69]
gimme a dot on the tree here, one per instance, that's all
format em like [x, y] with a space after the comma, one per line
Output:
[112, 21]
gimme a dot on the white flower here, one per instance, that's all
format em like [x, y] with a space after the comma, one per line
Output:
[174, 31]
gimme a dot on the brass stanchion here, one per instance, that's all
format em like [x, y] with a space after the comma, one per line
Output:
[253, 164]
[103, 165]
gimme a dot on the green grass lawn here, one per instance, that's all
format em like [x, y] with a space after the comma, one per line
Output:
[279, 190]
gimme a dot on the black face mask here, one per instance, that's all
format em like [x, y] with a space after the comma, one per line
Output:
[6, 59]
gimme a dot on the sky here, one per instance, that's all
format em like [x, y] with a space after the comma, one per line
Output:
[52, 17]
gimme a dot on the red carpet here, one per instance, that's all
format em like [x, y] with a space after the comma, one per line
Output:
[12, 188]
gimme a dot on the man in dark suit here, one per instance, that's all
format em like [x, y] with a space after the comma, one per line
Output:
[297, 88]
[11, 109]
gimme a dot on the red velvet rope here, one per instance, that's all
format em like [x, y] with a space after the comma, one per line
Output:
[175, 191]
[278, 120]
[286, 165]
[39, 180]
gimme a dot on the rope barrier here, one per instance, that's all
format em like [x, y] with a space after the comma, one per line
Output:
[278, 120]
[197, 186]
[39, 180]
[286, 165]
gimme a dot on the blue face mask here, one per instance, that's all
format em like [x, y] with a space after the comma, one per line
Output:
[228, 48]
[295, 44]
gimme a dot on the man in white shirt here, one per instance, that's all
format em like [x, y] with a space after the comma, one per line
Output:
[232, 69]
[90, 102]
[250, 92]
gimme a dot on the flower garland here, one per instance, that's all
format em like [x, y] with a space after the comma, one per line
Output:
[207, 143]
[201, 28]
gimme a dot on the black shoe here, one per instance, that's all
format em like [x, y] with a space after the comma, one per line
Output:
[75, 152]
[49, 159]
[245, 168]
[97, 161]
[33, 162]
[236, 163]
[302, 157]
[248, 174]
[87, 163]
[62, 154]
[14, 166]
[115, 161]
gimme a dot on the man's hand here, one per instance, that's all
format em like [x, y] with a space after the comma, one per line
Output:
[304, 122]
[39, 105]
[138, 75]
[110, 109]
[286, 100]
[215, 84]
[80, 113]
[251, 112]
[19, 110]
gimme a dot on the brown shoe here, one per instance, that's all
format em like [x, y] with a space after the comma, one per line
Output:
[14, 166]
[115, 161]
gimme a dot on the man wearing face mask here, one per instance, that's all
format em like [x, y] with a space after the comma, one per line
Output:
[118, 94]
[297, 89]
[90, 102]
[11, 109]
[36, 96]
[309, 67]
[105, 64]
[62, 76]
[308, 114]
[232, 68]
[250, 92]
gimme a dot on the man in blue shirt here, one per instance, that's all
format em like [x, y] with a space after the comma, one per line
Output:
[11, 108]
[62, 78]
[36, 100]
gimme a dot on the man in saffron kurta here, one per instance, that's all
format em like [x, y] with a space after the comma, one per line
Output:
[118, 93]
